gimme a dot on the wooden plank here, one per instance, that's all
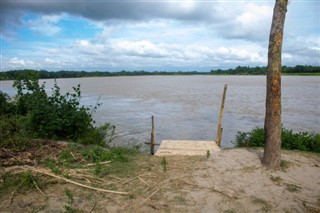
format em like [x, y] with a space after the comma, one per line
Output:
[186, 147]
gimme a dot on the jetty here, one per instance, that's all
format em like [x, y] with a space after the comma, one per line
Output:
[188, 147]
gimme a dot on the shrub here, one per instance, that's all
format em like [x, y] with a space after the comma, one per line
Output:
[293, 141]
[7, 108]
[57, 116]
[98, 154]
[12, 132]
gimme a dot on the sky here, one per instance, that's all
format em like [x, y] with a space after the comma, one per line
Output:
[152, 35]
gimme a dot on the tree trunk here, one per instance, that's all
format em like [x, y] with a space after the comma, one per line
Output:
[272, 150]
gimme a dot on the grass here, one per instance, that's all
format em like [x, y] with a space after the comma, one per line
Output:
[21, 182]
[292, 188]
[179, 200]
[164, 164]
[208, 154]
[277, 180]
[229, 211]
[284, 165]
[265, 206]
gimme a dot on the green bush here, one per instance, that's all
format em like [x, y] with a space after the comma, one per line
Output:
[7, 108]
[12, 132]
[293, 141]
[56, 116]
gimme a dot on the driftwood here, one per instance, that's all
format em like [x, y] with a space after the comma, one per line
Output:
[44, 172]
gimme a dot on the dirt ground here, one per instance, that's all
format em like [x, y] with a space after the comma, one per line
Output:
[230, 180]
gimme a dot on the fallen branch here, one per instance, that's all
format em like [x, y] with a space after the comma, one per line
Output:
[132, 179]
[143, 181]
[93, 164]
[95, 204]
[71, 181]
[148, 197]
[13, 193]
[114, 177]
[38, 188]
[73, 156]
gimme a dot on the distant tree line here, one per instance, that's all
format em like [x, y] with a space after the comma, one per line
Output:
[43, 74]
[240, 70]
[246, 70]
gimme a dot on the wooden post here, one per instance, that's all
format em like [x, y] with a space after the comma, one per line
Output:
[152, 136]
[219, 131]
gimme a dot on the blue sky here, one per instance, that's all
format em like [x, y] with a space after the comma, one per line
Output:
[162, 35]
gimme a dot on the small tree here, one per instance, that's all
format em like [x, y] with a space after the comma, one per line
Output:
[272, 150]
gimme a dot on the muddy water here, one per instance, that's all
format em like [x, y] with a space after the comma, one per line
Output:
[187, 107]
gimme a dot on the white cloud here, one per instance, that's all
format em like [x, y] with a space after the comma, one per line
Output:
[44, 25]
[191, 35]
[252, 23]
[139, 48]
[49, 61]
[17, 62]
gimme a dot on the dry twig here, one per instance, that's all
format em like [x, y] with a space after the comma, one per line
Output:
[13, 193]
[42, 171]
[143, 181]
[93, 164]
[148, 197]
[95, 204]
[132, 179]
[38, 188]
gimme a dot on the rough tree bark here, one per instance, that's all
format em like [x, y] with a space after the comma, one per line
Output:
[272, 150]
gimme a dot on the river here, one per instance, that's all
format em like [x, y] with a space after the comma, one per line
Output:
[187, 107]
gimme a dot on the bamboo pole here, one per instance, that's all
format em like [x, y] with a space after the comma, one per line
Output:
[152, 136]
[219, 131]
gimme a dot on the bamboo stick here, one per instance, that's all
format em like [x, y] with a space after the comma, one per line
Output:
[219, 130]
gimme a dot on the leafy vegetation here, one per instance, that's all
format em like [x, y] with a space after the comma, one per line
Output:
[98, 154]
[35, 114]
[293, 141]
[240, 70]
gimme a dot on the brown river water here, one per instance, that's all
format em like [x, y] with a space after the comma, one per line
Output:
[187, 107]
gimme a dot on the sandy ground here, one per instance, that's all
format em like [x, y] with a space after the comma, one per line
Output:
[231, 180]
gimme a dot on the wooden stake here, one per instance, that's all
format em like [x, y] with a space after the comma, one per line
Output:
[219, 131]
[152, 136]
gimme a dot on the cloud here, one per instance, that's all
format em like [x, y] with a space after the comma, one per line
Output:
[251, 23]
[222, 15]
[102, 10]
[16, 63]
[149, 35]
[301, 50]
[141, 48]
[44, 25]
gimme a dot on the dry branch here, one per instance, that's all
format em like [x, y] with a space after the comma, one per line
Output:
[38, 188]
[143, 181]
[13, 193]
[132, 179]
[149, 197]
[42, 171]
[93, 164]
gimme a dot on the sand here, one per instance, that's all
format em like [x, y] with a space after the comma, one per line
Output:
[230, 180]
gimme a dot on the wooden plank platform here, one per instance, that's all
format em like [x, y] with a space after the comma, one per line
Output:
[186, 147]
